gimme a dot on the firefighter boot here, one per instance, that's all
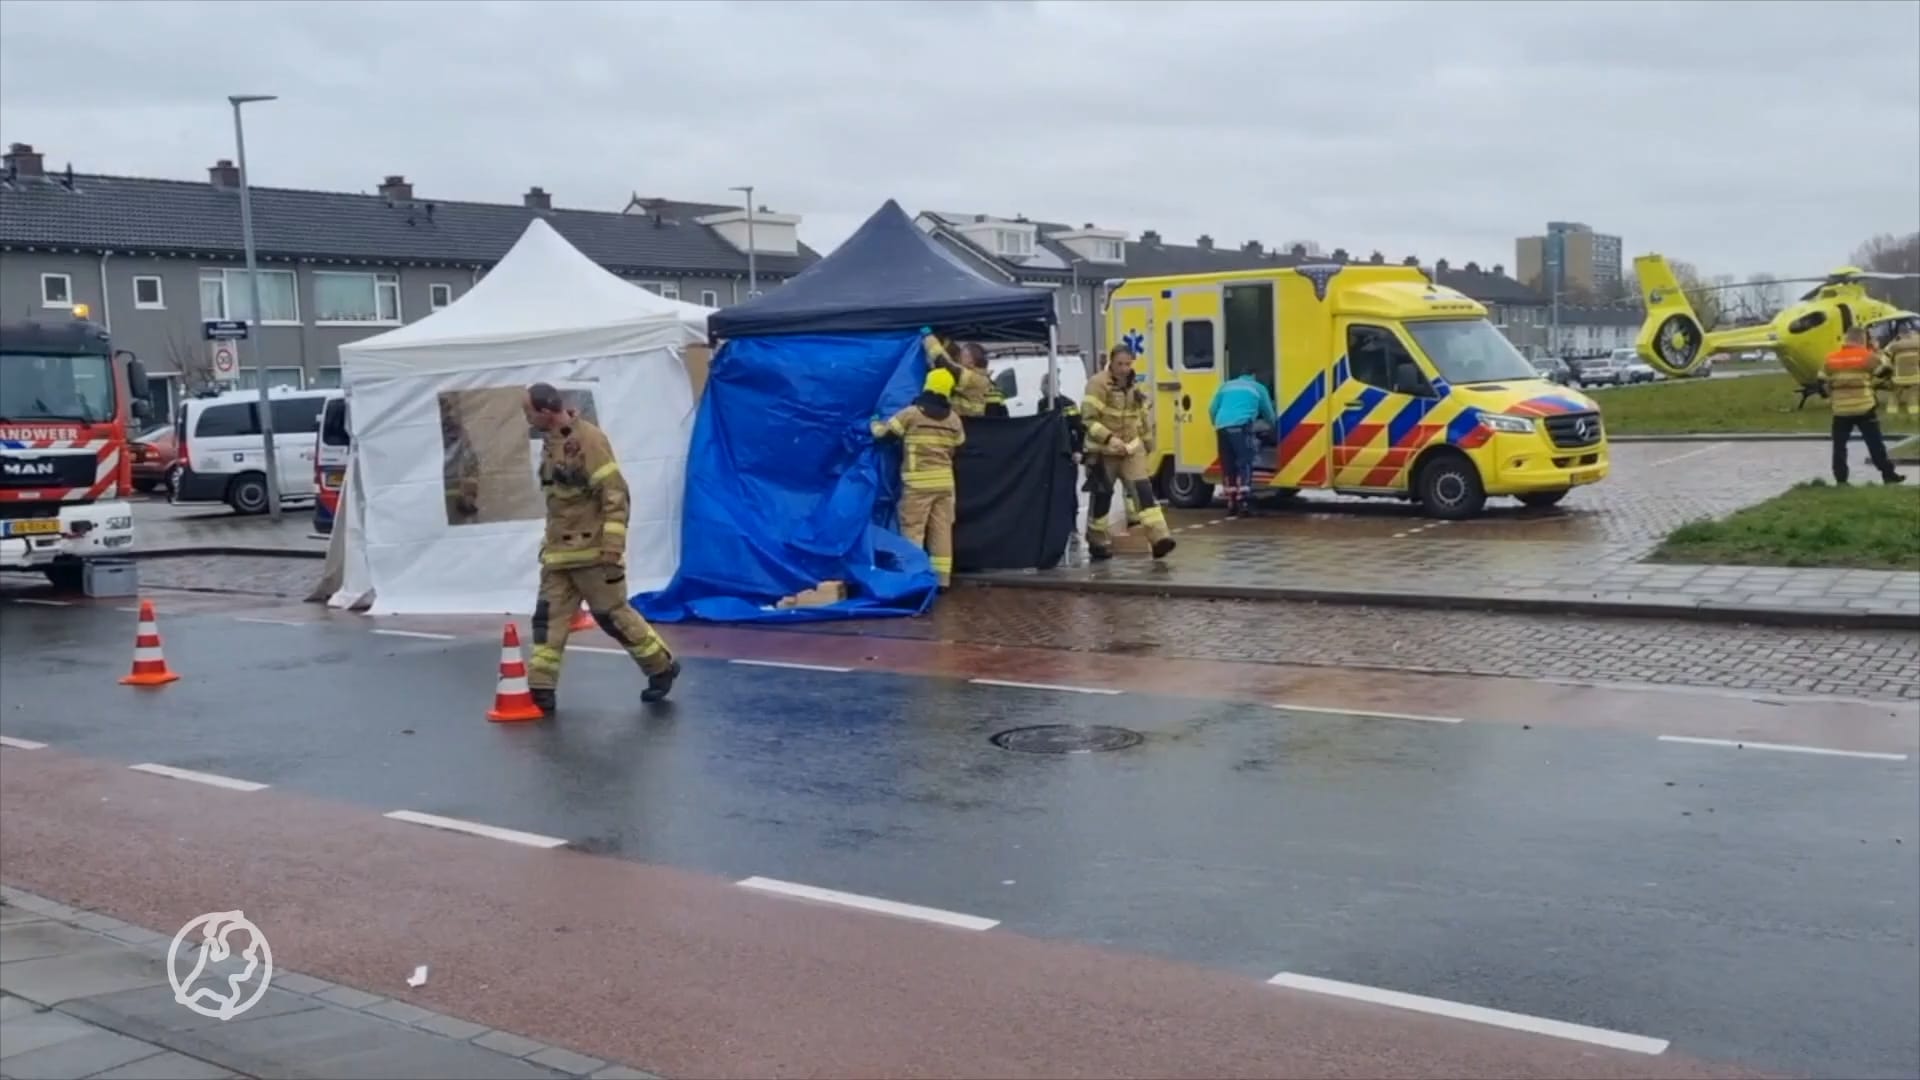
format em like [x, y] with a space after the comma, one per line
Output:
[543, 699]
[659, 686]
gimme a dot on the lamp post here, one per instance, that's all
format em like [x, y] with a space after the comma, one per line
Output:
[753, 276]
[253, 286]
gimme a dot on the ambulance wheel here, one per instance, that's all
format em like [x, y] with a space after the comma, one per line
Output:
[68, 577]
[1450, 488]
[1189, 492]
[248, 493]
[1540, 500]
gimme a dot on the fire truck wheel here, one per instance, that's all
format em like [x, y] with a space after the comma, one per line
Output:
[248, 493]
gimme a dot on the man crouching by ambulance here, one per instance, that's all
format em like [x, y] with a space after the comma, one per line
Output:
[584, 555]
[1118, 439]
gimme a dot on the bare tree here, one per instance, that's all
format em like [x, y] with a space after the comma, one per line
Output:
[189, 357]
[1709, 306]
[1891, 254]
[1764, 295]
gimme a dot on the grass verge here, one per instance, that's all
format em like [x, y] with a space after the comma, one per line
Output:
[1906, 451]
[1749, 404]
[1865, 527]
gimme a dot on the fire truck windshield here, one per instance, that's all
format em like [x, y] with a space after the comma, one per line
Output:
[41, 387]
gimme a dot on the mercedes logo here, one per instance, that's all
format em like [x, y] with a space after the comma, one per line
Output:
[1583, 428]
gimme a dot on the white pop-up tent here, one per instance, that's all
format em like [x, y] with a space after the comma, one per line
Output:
[441, 512]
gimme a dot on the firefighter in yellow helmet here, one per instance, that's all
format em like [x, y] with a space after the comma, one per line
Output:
[932, 433]
[584, 555]
[1903, 356]
[1119, 436]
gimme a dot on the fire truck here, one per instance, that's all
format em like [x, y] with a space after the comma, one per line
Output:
[67, 400]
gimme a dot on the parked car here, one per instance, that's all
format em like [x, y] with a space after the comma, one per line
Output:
[1554, 370]
[153, 454]
[1601, 371]
[1635, 371]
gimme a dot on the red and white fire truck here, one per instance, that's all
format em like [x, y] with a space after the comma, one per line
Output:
[67, 401]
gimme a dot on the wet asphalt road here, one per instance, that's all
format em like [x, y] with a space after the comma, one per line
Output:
[1752, 907]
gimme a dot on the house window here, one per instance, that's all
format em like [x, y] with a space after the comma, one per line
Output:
[326, 378]
[709, 298]
[56, 290]
[1075, 303]
[1109, 251]
[439, 295]
[355, 298]
[670, 290]
[653, 287]
[147, 293]
[1013, 243]
[224, 295]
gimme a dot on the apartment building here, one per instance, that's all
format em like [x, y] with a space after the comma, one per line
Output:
[154, 260]
[1571, 260]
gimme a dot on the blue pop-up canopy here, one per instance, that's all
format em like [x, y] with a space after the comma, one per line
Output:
[891, 276]
[786, 487]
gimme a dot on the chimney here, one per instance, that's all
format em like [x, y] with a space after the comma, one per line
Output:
[24, 162]
[1473, 267]
[1499, 270]
[536, 199]
[1205, 243]
[223, 175]
[1252, 247]
[1411, 260]
[1299, 251]
[1441, 266]
[396, 189]
[1150, 238]
[1340, 255]
[1088, 226]
[1377, 259]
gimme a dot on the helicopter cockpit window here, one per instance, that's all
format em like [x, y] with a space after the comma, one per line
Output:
[1806, 322]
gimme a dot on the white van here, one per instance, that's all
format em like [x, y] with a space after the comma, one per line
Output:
[1020, 375]
[221, 454]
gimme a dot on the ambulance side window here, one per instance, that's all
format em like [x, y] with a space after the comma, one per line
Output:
[1196, 345]
[1372, 353]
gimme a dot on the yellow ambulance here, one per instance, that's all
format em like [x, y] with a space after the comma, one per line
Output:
[1385, 384]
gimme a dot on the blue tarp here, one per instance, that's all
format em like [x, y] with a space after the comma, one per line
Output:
[786, 487]
[891, 276]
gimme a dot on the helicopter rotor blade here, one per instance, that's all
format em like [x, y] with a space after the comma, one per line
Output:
[1884, 275]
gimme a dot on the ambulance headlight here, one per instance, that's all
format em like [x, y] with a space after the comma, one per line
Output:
[1508, 425]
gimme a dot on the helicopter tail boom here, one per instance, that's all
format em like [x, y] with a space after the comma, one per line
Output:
[1672, 340]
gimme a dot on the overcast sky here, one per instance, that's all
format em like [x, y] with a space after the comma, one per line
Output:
[1743, 137]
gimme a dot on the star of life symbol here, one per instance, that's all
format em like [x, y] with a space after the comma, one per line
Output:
[1136, 342]
[227, 994]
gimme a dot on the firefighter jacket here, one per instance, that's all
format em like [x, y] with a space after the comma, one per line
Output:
[1114, 411]
[586, 496]
[974, 391]
[1903, 355]
[931, 433]
[1849, 375]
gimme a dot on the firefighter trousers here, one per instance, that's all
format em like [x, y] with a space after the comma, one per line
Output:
[926, 520]
[604, 588]
[1905, 398]
[1103, 471]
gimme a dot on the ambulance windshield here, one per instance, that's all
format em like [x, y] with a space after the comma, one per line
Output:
[1470, 351]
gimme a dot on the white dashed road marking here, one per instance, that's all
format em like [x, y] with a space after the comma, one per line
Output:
[43, 603]
[208, 779]
[416, 633]
[1559, 1029]
[1044, 686]
[474, 828]
[1367, 714]
[869, 903]
[1741, 744]
[21, 744]
[791, 666]
[275, 622]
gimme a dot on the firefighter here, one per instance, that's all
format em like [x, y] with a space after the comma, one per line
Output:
[931, 433]
[1847, 379]
[584, 555]
[1903, 356]
[975, 393]
[1118, 440]
[460, 472]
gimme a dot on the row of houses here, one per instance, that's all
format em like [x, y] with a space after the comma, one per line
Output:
[155, 259]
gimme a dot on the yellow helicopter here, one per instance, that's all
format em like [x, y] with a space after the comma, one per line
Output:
[1800, 336]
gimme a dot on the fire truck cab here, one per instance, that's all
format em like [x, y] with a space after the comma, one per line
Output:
[67, 400]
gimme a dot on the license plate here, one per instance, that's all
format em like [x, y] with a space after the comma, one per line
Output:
[1586, 476]
[42, 527]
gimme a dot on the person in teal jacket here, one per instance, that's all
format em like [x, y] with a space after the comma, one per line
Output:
[1236, 406]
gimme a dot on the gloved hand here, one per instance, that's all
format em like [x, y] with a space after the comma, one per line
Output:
[1115, 446]
[879, 429]
[1135, 447]
[615, 562]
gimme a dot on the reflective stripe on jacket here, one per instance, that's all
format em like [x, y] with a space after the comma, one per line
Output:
[1849, 376]
[1112, 411]
[1904, 355]
[587, 503]
[929, 445]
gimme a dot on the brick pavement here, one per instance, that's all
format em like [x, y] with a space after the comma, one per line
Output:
[86, 995]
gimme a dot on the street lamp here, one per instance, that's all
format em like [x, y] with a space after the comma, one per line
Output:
[753, 276]
[253, 286]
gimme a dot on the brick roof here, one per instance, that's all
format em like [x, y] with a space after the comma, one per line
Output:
[130, 214]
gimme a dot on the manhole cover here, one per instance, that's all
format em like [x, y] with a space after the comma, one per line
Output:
[1066, 739]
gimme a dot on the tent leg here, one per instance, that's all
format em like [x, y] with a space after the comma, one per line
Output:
[1053, 367]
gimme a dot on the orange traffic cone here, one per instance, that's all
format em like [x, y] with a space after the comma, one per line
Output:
[513, 702]
[582, 620]
[149, 666]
